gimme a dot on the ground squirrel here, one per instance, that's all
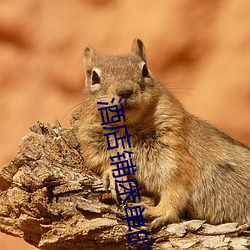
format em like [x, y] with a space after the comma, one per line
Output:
[191, 167]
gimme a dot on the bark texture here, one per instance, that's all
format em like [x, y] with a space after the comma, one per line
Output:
[49, 198]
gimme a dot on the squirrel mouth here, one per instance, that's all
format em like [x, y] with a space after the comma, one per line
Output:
[127, 104]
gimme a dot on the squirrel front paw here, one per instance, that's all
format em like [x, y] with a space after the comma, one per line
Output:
[109, 183]
[159, 215]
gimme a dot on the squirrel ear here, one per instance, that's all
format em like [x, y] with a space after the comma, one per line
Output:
[138, 49]
[89, 57]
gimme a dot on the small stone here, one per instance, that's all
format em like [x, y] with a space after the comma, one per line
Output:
[178, 229]
[215, 241]
[184, 243]
[239, 243]
[219, 229]
[194, 225]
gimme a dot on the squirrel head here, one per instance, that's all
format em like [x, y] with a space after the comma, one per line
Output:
[126, 77]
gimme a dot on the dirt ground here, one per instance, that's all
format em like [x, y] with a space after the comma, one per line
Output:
[200, 49]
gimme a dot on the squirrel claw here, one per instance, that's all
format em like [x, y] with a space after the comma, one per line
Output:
[106, 181]
[109, 183]
[157, 223]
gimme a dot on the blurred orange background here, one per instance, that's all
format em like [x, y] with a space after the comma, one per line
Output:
[200, 49]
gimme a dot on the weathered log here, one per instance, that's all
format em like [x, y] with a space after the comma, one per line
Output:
[49, 198]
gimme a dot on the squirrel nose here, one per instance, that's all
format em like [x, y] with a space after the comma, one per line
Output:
[124, 88]
[124, 93]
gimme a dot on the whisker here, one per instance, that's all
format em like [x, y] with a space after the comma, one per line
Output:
[71, 109]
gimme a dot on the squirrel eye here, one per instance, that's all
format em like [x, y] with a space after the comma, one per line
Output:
[145, 72]
[95, 78]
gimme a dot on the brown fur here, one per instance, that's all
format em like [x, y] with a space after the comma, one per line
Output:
[191, 166]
